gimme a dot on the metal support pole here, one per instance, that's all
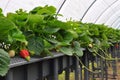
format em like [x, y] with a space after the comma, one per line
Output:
[9, 75]
[93, 70]
[101, 68]
[67, 74]
[80, 72]
[76, 69]
[55, 69]
[67, 70]
[86, 72]
[114, 63]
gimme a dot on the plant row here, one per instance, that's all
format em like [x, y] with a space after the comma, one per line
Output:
[39, 32]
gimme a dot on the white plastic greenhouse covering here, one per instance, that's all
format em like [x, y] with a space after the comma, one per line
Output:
[95, 11]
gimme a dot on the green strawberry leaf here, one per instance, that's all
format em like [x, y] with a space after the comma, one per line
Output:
[67, 51]
[4, 62]
[36, 44]
[77, 49]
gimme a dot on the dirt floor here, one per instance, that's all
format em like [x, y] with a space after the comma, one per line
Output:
[111, 71]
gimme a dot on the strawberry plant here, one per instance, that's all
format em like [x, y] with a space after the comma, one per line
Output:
[40, 32]
[9, 34]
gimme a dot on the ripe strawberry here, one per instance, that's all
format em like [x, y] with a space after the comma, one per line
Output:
[25, 54]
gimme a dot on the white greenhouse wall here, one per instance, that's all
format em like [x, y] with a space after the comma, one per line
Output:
[75, 9]
[95, 11]
[13, 5]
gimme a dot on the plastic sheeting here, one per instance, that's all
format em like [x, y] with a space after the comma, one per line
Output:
[95, 11]
[75, 9]
[13, 5]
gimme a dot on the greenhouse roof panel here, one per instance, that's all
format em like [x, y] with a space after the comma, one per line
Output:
[96, 11]
[75, 11]
[113, 18]
[13, 5]
[113, 8]
[116, 23]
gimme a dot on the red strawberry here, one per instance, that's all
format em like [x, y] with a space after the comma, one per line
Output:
[25, 54]
[117, 45]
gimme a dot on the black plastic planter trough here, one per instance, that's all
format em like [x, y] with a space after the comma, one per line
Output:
[42, 68]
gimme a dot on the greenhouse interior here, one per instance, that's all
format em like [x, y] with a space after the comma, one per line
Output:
[59, 39]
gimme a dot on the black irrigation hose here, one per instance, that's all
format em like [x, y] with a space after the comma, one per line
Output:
[84, 66]
[60, 8]
[87, 10]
